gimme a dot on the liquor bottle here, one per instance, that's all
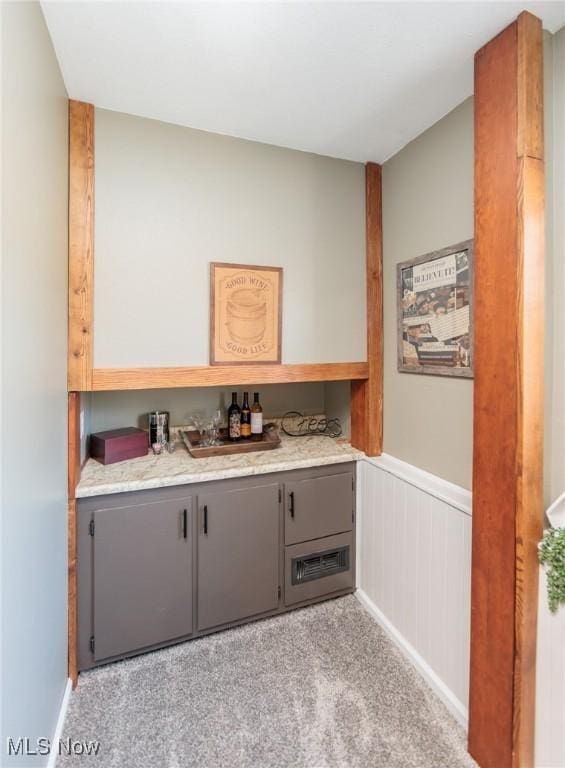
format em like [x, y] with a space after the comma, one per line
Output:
[245, 417]
[234, 419]
[256, 416]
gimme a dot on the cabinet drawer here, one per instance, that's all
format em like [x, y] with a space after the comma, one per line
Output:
[318, 507]
[317, 568]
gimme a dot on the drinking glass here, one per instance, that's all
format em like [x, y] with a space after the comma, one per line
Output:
[211, 434]
[198, 421]
[217, 419]
[206, 438]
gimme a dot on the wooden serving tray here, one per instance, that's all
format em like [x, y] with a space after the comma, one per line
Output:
[266, 442]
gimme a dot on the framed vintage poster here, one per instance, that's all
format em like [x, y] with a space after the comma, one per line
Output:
[435, 312]
[245, 314]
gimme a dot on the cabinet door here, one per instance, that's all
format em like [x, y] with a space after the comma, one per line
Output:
[318, 507]
[142, 576]
[238, 554]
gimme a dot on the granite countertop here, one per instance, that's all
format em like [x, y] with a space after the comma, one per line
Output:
[179, 468]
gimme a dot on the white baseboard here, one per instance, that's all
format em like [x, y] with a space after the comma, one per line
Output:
[60, 725]
[457, 709]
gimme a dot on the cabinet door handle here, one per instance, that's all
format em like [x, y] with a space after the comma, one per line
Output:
[206, 519]
[291, 497]
[184, 524]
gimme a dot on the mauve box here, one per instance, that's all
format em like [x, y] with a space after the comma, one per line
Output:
[118, 445]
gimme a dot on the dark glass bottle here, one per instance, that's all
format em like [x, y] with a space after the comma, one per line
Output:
[234, 419]
[245, 417]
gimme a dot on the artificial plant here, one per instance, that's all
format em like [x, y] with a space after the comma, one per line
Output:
[552, 555]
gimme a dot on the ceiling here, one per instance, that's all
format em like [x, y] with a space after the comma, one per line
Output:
[355, 80]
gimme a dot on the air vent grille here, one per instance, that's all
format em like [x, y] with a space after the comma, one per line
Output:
[320, 564]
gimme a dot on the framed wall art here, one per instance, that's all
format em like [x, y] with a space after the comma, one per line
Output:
[435, 312]
[245, 314]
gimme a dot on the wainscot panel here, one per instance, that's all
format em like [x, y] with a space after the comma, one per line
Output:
[413, 576]
[414, 544]
[550, 683]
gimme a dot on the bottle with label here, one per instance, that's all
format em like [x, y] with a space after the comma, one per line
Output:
[256, 416]
[245, 417]
[234, 419]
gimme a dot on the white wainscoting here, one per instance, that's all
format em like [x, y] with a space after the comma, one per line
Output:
[550, 684]
[414, 577]
[414, 569]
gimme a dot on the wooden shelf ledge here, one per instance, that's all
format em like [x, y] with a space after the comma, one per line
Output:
[106, 379]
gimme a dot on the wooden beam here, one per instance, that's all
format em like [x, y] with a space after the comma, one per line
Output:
[367, 396]
[529, 87]
[224, 376]
[374, 387]
[72, 662]
[80, 313]
[73, 426]
[508, 394]
[81, 244]
[529, 460]
[358, 399]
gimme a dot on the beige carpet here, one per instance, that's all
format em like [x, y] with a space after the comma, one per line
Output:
[320, 687]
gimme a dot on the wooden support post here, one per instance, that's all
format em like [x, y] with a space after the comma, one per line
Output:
[367, 396]
[508, 394]
[81, 245]
[73, 478]
[80, 312]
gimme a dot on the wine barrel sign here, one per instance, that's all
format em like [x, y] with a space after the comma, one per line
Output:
[245, 314]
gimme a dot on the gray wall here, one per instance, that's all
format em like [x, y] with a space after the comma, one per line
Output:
[109, 410]
[554, 47]
[34, 401]
[337, 403]
[427, 205]
[169, 200]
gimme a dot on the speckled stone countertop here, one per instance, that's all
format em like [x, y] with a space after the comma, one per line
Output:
[179, 468]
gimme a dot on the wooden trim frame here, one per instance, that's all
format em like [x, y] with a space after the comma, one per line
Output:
[367, 395]
[81, 245]
[224, 375]
[508, 394]
[73, 426]
[82, 376]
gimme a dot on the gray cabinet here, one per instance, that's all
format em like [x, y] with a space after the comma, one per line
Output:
[319, 506]
[142, 575]
[238, 554]
[151, 574]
